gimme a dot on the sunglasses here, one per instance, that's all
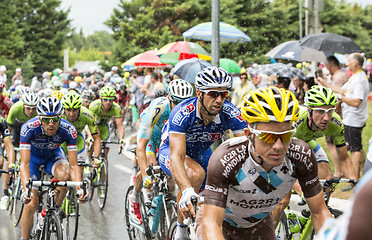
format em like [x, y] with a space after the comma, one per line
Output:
[50, 119]
[30, 108]
[271, 137]
[215, 94]
[243, 78]
[108, 99]
[175, 101]
[87, 101]
[322, 111]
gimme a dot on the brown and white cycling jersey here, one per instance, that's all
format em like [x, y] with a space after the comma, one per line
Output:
[238, 183]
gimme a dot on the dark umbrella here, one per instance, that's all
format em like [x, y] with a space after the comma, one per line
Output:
[279, 70]
[329, 42]
[188, 69]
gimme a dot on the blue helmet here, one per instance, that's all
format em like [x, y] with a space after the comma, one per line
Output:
[49, 106]
[212, 77]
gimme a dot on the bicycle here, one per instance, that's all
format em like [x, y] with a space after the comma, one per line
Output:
[306, 228]
[156, 211]
[70, 208]
[52, 227]
[98, 177]
[15, 204]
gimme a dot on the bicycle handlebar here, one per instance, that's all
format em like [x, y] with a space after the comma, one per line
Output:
[54, 183]
[330, 182]
[151, 170]
[4, 171]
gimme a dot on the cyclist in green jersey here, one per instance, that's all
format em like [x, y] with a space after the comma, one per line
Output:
[104, 109]
[19, 113]
[317, 120]
[80, 117]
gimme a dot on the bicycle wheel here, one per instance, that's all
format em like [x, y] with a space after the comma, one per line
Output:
[72, 215]
[92, 183]
[172, 228]
[102, 183]
[169, 212]
[11, 198]
[134, 232]
[282, 230]
[52, 227]
[18, 205]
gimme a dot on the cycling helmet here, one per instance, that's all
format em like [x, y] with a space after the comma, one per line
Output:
[212, 77]
[94, 88]
[48, 92]
[88, 94]
[72, 100]
[55, 78]
[46, 75]
[30, 98]
[72, 85]
[100, 84]
[161, 93]
[23, 89]
[123, 86]
[78, 79]
[57, 83]
[57, 94]
[49, 86]
[17, 82]
[64, 91]
[88, 80]
[49, 106]
[180, 89]
[319, 96]
[270, 104]
[126, 74]
[19, 88]
[107, 92]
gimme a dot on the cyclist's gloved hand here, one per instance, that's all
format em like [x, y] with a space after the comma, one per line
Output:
[90, 140]
[121, 141]
[25, 198]
[147, 182]
[81, 196]
[96, 162]
[11, 169]
[185, 205]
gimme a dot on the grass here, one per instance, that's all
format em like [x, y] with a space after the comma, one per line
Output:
[366, 135]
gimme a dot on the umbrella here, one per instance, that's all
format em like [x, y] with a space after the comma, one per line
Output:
[330, 42]
[229, 65]
[228, 33]
[189, 68]
[292, 50]
[280, 70]
[173, 52]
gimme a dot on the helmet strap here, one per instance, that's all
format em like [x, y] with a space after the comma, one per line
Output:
[311, 120]
[257, 155]
[202, 103]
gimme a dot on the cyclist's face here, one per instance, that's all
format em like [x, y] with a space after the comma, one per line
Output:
[272, 153]
[29, 110]
[320, 117]
[72, 114]
[49, 125]
[212, 103]
[107, 103]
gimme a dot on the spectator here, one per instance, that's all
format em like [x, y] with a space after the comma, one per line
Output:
[353, 95]
[3, 76]
[72, 75]
[46, 79]
[17, 76]
[36, 83]
[137, 98]
[242, 90]
[299, 91]
[283, 82]
[308, 83]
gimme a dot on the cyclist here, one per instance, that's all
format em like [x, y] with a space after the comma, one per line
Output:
[95, 89]
[5, 133]
[104, 109]
[88, 97]
[5, 102]
[19, 113]
[123, 98]
[149, 136]
[41, 138]
[248, 176]
[192, 128]
[80, 117]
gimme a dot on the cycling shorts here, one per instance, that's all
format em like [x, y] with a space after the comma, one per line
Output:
[202, 159]
[50, 163]
[104, 132]
[320, 154]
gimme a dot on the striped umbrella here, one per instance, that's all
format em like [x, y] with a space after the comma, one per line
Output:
[189, 68]
[145, 59]
[228, 33]
[173, 52]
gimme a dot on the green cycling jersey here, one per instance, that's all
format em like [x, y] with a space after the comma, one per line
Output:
[17, 117]
[335, 129]
[85, 118]
[101, 118]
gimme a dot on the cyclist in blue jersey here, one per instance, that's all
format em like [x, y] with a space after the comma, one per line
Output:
[193, 126]
[149, 136]
[40, 141]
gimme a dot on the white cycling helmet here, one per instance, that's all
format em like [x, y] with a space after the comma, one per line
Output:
[30, 98]
[48, 92]
[55, 78]
[64, 91]
[72, 85]
[48, 86]
[212, 77]
[57, 83]
[17, 82]
[24, 89]
[49, 106]
[180, 89]
[19, 89]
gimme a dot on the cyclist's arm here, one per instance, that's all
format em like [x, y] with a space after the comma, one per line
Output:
[319, 211]
[9, 149]
[75, 170]
[345, 162]
[25, 166]
[177, 143]
[141, 155]
[212, 222]
[97, 145]
[119, 124]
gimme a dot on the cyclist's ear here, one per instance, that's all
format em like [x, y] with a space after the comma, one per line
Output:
[247, 132]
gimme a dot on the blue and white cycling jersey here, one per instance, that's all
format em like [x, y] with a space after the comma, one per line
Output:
[185, 119]
[33, 138]
[153, 119]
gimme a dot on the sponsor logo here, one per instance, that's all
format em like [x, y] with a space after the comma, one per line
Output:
[182, 114]
[255, 203]
[300, 153]
[216, 189]
[284, 169]
[29, 127]
[203, 137]
[312, 181]
[231, 159]
[252, 171]
[246, 191]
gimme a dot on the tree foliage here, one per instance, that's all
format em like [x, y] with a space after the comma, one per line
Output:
[148, 24]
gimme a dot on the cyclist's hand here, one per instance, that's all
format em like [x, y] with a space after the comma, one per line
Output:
[11, 169]
[90, 140]
[80, 194]
[96, 162]
[25, 198]
[121, 147]
[147, 182]
[185, 205]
